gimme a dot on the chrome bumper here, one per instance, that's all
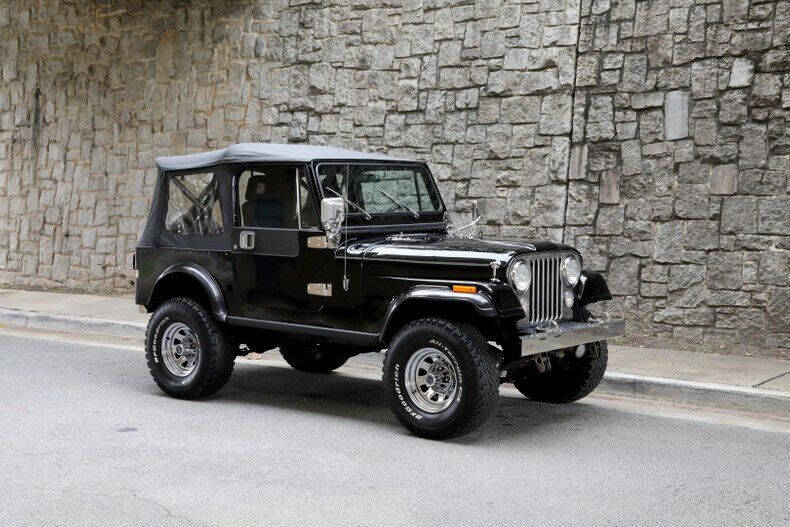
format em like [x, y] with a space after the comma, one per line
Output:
[566, 334]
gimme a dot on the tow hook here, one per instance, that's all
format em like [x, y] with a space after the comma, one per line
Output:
[542, 363]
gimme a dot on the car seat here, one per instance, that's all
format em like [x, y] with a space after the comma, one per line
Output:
[268, 199]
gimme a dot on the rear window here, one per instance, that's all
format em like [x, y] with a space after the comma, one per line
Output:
[193, 204]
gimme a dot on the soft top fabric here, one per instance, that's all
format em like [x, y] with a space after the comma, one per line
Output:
[253, 152]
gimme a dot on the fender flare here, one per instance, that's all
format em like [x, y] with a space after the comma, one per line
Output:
[592, 288]
[482, 305]
[210, 286]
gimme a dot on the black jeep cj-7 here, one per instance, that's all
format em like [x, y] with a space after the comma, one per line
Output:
[326, 253]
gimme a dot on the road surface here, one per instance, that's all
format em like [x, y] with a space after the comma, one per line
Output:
[86, 438]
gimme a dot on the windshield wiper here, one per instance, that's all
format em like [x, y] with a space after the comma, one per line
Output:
[360, 209]
[401, 205]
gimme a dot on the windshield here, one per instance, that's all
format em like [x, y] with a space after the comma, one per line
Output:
[381, 189]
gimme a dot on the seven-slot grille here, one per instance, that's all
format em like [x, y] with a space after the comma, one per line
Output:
[545, 293]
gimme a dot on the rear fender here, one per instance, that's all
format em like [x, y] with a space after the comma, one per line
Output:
[209, 284]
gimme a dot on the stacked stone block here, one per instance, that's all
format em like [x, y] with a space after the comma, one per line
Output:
[651, 134]
[680, 119]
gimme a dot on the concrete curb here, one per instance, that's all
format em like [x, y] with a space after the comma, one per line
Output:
[625, 384]
[57, 322]
[701, 393]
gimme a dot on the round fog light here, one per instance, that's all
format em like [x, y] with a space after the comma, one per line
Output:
[567, 297]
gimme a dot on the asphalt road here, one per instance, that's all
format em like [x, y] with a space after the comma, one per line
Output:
[86, 438]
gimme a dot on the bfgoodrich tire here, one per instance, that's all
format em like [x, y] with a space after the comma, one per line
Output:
[569, 378]
[188, 354]
[313, 357]
[440, 378]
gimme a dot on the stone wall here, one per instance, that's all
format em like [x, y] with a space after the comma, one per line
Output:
[651, 133]
[680, 135]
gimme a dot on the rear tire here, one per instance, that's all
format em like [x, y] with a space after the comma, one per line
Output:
[188, 354]
[313, 358]
[569, 379]
[441, 380]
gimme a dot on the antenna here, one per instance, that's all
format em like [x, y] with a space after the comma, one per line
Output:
[345, 243]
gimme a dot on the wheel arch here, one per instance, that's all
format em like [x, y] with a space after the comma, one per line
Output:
[420, 302]
[191, 281]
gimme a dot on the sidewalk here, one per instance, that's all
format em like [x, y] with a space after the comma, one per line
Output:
[631, 370]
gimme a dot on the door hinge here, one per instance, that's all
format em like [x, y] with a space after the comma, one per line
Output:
[318, 242]
[319, 289]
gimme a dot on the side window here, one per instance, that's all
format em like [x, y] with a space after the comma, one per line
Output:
[276, 197]
[307, 205]
[193, 205]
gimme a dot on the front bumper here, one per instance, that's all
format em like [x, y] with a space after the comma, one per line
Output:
[567, 334]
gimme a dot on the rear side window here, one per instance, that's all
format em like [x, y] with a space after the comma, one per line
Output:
[193, 204]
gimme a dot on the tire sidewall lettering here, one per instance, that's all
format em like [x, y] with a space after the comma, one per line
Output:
[399, 392]
[157, 339]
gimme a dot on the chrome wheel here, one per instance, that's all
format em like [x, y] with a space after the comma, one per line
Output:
[180, 349]
[431, 380]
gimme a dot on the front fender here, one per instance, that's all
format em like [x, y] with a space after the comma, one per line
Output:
[490, 301]
[209, 284]
[593, 288]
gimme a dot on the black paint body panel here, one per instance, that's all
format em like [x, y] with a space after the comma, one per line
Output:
[594, 288]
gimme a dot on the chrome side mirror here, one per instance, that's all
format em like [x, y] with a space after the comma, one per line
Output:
[333, 212]
[476, 217]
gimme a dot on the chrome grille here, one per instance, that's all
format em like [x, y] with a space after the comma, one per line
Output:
[545, 293]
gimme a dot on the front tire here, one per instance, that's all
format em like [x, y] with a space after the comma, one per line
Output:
[188, 354]
[440, 378]
[313, 358]
[569, 378]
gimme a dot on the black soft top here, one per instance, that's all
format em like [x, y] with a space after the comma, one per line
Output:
[261, 152]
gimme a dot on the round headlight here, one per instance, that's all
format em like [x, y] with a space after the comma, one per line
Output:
[519, 276]
[571, 270]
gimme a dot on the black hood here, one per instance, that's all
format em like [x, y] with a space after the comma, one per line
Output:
[441, 247]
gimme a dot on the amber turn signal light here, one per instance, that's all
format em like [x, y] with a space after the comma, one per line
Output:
[464, 289]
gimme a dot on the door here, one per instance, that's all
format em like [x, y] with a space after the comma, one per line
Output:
[278, 261]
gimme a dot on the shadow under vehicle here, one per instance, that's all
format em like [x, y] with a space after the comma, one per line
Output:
[327, 253]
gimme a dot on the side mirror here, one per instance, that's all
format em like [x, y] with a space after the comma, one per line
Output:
[332, 212]
[476, 217]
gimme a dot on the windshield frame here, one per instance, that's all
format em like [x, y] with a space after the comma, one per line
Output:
[400, 217]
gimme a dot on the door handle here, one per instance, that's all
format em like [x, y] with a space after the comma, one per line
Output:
[247, 240]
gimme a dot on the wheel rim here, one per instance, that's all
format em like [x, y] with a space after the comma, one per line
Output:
[431, 380]
[180, 349]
